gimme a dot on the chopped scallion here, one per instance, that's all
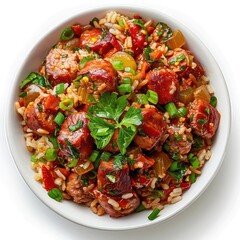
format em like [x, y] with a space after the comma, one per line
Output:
[124, 88]
[141, 98]
[93, 157]
[140, 208]
[76, 126]
[183, 111]
[127, 80]
[105, 156]
[73, 162]
[66, 104]
[51, 154]
[22, 94]
[171, 109]
[213, 101]
[175, 166]
[67, 34]
[59, 88]
[193, 178]
[59, 119]
[154, 214]
[130, 70]
[118, 65]
[152, 96]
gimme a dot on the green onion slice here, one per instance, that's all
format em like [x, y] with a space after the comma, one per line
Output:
[51, 154]
[93, 157]
[213, 101]
[124, 88]
[105, 156]
[183, 111]
[130, 70]
[73, 162]
[172, 110]
[67, 34]
[66, 104]
[118, 65]
[59, 119]
[154, 214]
[59, 88]
[152, 96]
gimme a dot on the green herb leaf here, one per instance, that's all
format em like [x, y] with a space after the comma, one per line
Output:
[55, 194]
[77, 126]
[104, 33]
[139, 22]
[132, 117]
[125, 137]
[95, 19]
[73, 152]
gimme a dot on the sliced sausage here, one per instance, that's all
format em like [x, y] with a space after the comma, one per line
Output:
[112, 180]
[138, 160]
[101, 74]
[74, 187]
[61, 66]
[117, 206]
[204, 119]
[39, 115]
[195, 68]
[165, 83]
[79, 139]
[98, 40]
[152, 130]
[180, 140]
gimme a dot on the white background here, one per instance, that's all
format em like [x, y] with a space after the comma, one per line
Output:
[215, 215]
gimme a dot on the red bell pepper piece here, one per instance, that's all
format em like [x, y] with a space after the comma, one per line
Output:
[48, 180]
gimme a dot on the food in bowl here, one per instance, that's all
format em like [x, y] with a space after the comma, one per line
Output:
[120, 116]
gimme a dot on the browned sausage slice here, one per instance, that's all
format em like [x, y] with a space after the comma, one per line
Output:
[61, 66]
[165, 83]
[79, 139]
[101, 74]
[113, 180]
[152, 130]
[98, 40]
[39, 114]
[204, 119]
[118, 206]
[180, 140]
[75, 189]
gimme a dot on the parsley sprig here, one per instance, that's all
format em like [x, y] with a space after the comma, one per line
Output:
[105, 117]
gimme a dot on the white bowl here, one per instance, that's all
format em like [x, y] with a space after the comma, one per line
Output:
[81, 214]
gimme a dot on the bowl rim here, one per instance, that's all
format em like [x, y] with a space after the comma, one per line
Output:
[102, 8]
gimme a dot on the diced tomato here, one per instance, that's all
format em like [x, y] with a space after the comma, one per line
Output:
[156, 55]
[116, 44]
[138, 38]
[185, 185]
[147, 162]
[48, 180]
[51, 103]
[77, 29]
